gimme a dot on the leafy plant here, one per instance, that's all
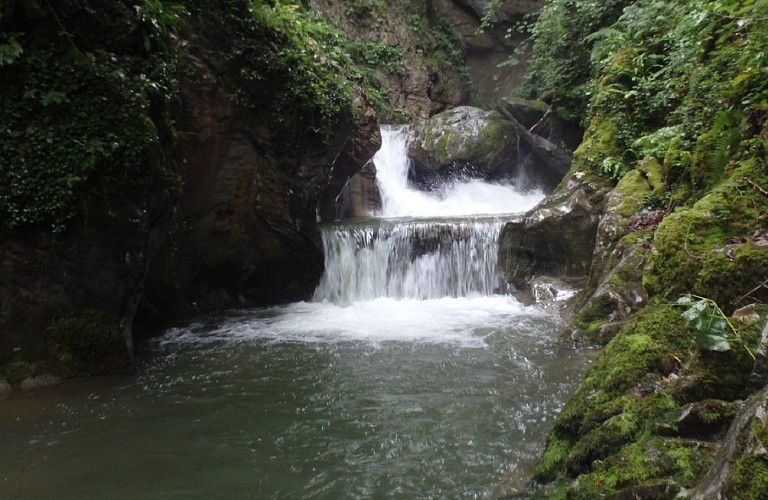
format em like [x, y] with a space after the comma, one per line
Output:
[713, 331]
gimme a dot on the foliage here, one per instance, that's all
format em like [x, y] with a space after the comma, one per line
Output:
[562, 47]
[713, 331]
[83, 113]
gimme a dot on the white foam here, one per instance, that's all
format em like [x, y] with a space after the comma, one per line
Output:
[463, 321]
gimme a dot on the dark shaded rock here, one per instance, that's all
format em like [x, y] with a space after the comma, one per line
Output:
[705, 420]
[741, 466]
[537, 117]
[547, 162]
[556, 238]
[247, 221]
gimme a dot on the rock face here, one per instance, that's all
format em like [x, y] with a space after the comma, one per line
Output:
[247, 220]
[361, 196]
[487, 48]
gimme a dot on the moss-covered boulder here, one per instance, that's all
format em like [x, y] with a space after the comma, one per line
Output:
[464, 142]
[634, 427]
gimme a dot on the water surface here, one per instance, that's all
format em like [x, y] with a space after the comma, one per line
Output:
[425, 399]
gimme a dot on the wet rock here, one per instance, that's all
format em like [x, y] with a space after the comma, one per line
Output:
[32, 383]
[619, 293]
[742, 462]
[464, 142]
[554, 239]
[622, 243]
[361, 196]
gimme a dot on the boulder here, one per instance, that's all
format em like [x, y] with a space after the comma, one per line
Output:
[539, 119]
[462, 142]
[556, 238]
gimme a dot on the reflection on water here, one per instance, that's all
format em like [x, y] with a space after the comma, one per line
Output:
[444, 398]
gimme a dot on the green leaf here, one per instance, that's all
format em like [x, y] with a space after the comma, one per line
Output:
[712, 342]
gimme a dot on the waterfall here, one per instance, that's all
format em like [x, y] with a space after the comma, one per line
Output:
[416, 258]
[409, 260]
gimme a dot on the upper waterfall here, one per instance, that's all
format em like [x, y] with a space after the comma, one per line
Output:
[461, 198]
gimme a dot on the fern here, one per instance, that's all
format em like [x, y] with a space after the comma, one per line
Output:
[715, 148]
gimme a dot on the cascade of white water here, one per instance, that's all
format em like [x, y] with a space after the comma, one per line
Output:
[414, 260]
[419, 259]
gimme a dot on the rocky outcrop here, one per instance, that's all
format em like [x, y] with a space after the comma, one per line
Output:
[246, 231]
[557, 238]
[489, 46]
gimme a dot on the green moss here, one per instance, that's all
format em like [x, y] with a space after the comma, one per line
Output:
[636, 187]
[729, 274]
[553, 458]
[750, 471]
[88, 343]
[682, 259]
[16, 371]
[638, 464]
[620, 397]
[750, 478]
[600, 141]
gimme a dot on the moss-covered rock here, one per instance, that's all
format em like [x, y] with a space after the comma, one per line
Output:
[88, 343]
[740, 469]
[691, 253]
[463, 142]
[643, 419]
